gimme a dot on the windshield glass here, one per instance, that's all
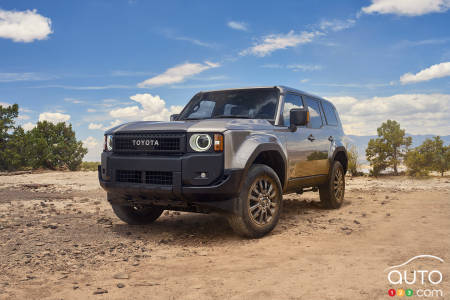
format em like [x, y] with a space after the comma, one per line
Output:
[248, 104]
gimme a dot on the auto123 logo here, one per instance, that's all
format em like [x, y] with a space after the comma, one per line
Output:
[419, 276]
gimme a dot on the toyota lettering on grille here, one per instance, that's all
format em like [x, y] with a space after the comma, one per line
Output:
[145, 143]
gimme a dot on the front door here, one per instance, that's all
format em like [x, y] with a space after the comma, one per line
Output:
[298, 146]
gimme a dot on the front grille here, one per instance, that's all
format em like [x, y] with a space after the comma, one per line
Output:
[157, 177]
[129, 176]
[151, 177]
[149, 142]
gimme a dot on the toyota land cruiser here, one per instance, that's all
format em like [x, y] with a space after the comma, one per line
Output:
[234, 151]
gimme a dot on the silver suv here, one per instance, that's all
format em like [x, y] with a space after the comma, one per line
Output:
[234, 151]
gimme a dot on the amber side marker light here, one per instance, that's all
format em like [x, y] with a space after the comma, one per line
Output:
[218, 142]
[307, 117]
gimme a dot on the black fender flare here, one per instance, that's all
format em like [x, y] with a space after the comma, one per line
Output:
[337, 150]
[263, 148]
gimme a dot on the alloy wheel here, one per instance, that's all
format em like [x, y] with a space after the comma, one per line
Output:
[339, 185]
[262, 200]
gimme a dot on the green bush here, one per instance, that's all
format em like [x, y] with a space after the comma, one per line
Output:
[432, 155]
[48, 145]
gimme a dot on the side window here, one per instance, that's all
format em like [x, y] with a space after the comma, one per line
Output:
[330, 114]
[290, 101]
[315, 120]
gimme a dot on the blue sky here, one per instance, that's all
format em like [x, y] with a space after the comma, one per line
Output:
[97, 63]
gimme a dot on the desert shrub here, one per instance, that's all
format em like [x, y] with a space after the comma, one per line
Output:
[89, 165]
[353, 163]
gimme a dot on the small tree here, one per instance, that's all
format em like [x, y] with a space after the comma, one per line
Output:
[388, 149]
[18, 152]
[441, 156]
[7, 116]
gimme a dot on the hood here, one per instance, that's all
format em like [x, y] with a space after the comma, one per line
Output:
[209, 125]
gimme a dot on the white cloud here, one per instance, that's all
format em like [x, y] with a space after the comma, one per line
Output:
[24, 26]
[304, 80]
[27, 76]
[113, 124]
[28, 126]
[91, 110]
[90, 142]
[74, 100]
[23, 117]
[95, 126]
[300, 67]
[336, 25]
[275, 42]
[151, 108]
[54, 117]
[170, 34]
[178, 74]
[4, 104]
[407, 7]
[238, 25]
[435, 71]
[126, 112]
[94, 147]
[194, 41]
[417, 113]
[294, 67]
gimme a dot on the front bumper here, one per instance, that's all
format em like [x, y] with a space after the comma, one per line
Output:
[187, 192]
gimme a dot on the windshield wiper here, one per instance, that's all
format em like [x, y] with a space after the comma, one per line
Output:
[231, 117]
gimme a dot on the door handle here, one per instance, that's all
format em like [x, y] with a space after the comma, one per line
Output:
[311, 138]
[331, 138]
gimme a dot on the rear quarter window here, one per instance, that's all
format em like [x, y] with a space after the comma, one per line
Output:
[330, 114]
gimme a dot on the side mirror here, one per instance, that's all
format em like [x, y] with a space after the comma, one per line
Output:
[298, 117]
[174, 117]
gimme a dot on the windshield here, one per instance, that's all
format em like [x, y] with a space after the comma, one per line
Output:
[248, 104]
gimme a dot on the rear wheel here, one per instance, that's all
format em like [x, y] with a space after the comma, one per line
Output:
[332, 192]
[259, 203]
[137, 214]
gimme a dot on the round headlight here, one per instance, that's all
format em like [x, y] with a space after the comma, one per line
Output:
[200, 142]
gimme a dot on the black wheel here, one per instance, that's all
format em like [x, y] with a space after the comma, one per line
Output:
[137, 214]
[259, 203]
[332, 192]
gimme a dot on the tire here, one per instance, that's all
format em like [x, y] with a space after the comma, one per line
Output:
[332, 192]
[137, 215]
[259, 203]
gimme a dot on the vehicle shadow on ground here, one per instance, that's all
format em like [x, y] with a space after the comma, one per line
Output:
[206, 229]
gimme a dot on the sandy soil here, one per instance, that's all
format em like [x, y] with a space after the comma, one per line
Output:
[60, 240]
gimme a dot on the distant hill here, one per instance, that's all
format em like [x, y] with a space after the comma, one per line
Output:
[361, 141]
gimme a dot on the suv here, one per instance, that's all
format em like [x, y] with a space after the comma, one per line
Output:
[234, 151]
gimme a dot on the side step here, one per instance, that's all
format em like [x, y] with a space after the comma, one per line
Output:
[312, 189]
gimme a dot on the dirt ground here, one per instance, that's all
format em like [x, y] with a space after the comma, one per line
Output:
[60, 240]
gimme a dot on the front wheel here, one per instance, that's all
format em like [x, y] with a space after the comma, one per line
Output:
[332, 192]
[259, 203]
